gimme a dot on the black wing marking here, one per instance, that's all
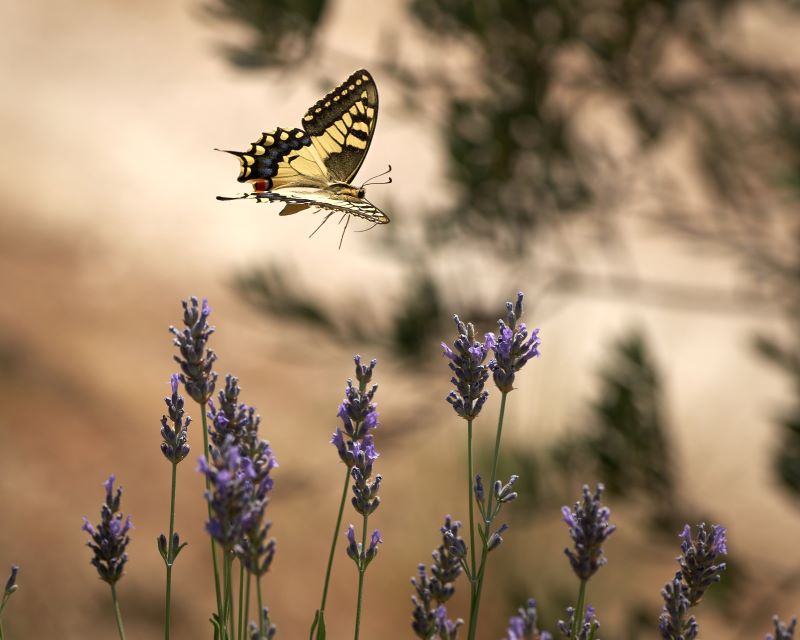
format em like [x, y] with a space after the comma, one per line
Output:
[342, 123]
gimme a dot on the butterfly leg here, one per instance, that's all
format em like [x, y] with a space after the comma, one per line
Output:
[324, 220]
[341, 240]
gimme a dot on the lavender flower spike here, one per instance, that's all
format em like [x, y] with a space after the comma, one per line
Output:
[512, 346]
[782, 631]
[699, 557]
[470, 374]
[195, 360]
[589, 529]
[174, 445]
[429, 617]
[231, 477]
[109, 539]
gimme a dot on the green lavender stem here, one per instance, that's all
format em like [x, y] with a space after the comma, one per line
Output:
[319, 618]
[471, 508]
[208, 488]
[576, 621]
[261, 629]
[170, 551]
[117, 613]
[476, 600]
[362, 568]
[247, 602]
[241, 595]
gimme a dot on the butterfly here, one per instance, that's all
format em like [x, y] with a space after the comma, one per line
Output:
[314, 167]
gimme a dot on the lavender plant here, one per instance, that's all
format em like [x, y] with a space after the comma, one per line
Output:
[513, 347]
[239, 476]
[175, 448]
[196, 362]
[108, 541]
[8, 591]
[589, 529]
[354, 444]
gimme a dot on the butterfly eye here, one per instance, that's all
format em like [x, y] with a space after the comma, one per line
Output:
[362, 192]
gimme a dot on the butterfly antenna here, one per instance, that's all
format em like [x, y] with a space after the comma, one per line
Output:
[367, 229]
[341, 240]
[321, 223]
[380, 175]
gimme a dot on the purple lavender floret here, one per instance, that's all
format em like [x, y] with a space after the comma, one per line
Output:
[432, 592]
[512, 346]
[231, 479]
[196, 361]
[698, 561]
[174, 445]
[589, 528]
[523, 626]
[109, 538]
[470, 373]
[587, 629]
[782, 631]
[231, 417]
[673, 623]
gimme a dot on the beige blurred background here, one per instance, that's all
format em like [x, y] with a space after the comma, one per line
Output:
[108, 219]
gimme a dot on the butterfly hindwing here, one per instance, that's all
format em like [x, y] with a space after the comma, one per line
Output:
[341, 125]
[279, 158]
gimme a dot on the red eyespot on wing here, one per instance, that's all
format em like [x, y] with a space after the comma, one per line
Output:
[260, 185]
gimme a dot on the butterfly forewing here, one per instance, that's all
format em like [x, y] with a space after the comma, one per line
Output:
[342, 123]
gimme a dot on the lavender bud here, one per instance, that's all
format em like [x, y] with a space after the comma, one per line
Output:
[496, 539]
[479, 492]
[353, 548]
[11, 583]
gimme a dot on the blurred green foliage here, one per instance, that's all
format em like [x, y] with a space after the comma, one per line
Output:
[281, 32]
[786, 454]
